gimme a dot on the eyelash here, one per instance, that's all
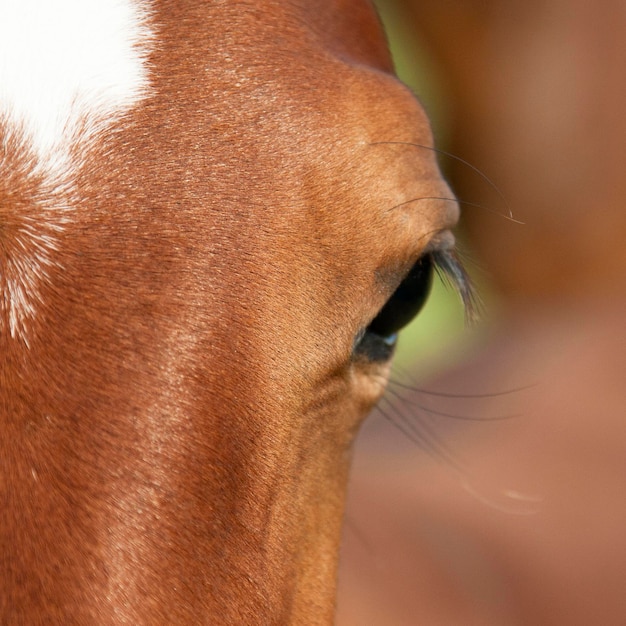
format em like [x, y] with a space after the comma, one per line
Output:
[450, 270]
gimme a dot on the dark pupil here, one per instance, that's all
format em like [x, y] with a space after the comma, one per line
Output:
[406, 301]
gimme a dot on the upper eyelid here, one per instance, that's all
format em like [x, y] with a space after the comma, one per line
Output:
[439, 241]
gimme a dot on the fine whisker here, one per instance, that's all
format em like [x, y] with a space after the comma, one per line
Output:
[412, 200]
[476, 205]
[464, 162]
[457, 416]
[422, 435]
[462, 396]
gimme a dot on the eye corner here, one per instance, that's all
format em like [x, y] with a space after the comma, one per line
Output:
[373, 348]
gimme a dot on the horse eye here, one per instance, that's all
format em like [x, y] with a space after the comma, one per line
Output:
[379, 338]
[406, 301]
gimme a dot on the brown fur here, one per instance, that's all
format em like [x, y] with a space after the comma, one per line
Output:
[176, 436]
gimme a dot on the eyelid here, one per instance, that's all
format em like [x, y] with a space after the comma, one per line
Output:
[441, 241]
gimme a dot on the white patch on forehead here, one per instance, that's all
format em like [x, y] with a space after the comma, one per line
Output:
[68, 69]
[68, 66]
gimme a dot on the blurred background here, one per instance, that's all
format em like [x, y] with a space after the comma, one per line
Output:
[490, 485]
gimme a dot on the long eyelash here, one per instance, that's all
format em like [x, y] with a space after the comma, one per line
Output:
[450, 270]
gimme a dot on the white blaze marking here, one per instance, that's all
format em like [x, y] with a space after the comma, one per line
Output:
[68, 68]
[68, 64]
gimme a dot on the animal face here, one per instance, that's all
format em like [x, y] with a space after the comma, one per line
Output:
[214, 219]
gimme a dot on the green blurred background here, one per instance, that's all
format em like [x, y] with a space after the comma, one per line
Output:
[438, 337]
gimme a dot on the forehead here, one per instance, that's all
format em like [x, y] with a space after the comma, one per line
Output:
[214, 136]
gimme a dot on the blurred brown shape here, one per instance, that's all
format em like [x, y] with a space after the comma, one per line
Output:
[532, 530]
[539, 94]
